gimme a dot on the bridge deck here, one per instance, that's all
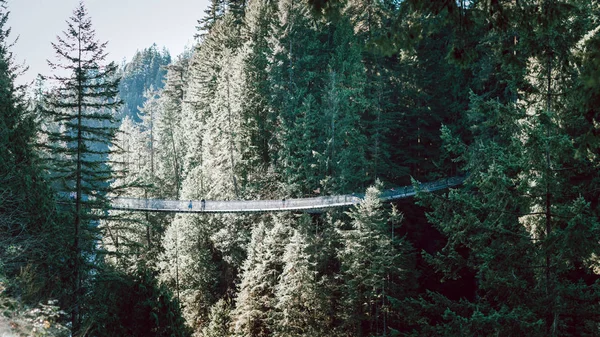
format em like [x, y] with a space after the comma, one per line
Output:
[314, 205]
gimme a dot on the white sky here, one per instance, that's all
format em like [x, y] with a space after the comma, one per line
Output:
[128, 25]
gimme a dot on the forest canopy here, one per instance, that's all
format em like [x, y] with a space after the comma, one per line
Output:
[304, 98]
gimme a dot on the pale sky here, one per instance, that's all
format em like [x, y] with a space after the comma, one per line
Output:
[128, 25]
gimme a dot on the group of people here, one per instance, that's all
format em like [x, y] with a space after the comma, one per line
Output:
[202, 205]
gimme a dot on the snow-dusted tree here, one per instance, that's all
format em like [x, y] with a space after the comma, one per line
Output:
[373, 267]
[222, 143]
[148, 115]
[255, 303]
[188, 266]
[202, 82]
[135, 237]
[168, 131]
[219, 320]
[146, 179]
[214, 12]
[301, 301]
[124, 235]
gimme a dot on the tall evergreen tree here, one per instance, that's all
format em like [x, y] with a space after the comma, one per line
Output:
[214, 12]
[295, 72]
[189, 266]
[375, 269]
[31, 228]
[222, 151]
[521, 224]
[258, 116]
[170, 154]
[343, 106]
[219, 320]
[254, 313]
[301, 303]
[83, 102]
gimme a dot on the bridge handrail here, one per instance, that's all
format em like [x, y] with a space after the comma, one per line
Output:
[311, 203]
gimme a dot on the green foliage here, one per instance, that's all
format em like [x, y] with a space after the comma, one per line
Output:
[133, 305]
[256, 301]
[345, 101]
[295, 72]
[376, 269]
[145, 71]
[257, 117]
[523, 225]
[189, 265]
[168, 127]
[304, 98]
[32, 242]
[82, 105]
[301, 300]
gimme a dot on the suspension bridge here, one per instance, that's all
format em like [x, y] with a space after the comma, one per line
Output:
[308, 205]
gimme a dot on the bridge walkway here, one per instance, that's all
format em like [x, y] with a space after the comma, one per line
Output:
[309, 205]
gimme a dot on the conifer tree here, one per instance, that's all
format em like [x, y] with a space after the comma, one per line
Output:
[187, 266]
[200, 91]
[219, 320]
[222, 141]
[372, 21]
[254, 313]
[258, 116]
[295, 73]
[343, 106]
[168, 131]
[32, 240]
[238, 9]
[301, 301]
[375, 269]
[214, 12]
[83, 102]
[520, 224]
[146, 70]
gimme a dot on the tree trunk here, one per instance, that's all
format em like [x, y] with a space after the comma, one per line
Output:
[75, 315]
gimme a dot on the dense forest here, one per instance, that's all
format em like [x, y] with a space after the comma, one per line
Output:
[298, 98]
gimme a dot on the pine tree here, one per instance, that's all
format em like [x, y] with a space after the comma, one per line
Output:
[254, 313]
[189, 267]
[146, 70]
[301, 302]
[200, 90]
[32, 240]
[295, 73]
[521, 224]
[168, 130]
[373, 23]
[214, 12]
[219, 320]
[83, 103]
[222, 140]
[344, 104]
[258, 117]
[375, 269]
[238, 9]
